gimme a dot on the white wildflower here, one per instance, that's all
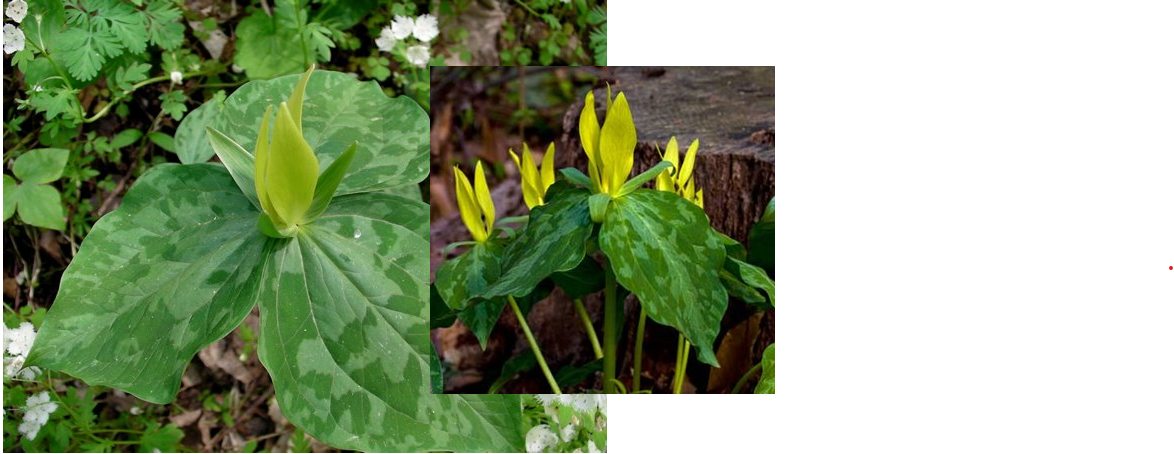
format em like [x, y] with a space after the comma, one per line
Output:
[582, 403]
[16, 10]
[17, 342]
[425, 28]
[36, 413]
[402, 27]
[546, 399]
[13, 39]
[539, 438]
[591, 446]
[568, 432]
[136, 410]
[38, 88]
[386, 40]
[418, 55]
[176, 77]
[601, 403]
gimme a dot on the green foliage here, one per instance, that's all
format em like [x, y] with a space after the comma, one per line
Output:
[37, 203]
[182, 262]
[766, 384]
[661, 249]
[552, 32]
[285, 43]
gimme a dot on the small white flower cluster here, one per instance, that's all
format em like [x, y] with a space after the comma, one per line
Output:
[36, 413]
[423, 28]
[540, 438]
[14, 37]
[582, 403]
[17, 343]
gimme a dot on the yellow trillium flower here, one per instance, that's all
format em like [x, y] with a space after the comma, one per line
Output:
[475, 205]
[610, 149]
[286, 169]
[679, 178]
[535, 183]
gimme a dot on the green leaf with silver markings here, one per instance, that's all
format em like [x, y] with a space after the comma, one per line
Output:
[662, 249]
[175, 268]
[392, 132]
[555, 239]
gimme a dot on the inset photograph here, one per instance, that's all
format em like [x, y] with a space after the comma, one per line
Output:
[602, 230]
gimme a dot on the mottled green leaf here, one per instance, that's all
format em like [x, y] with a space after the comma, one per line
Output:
[481, 318]
[191, 138]
[469, 274]
[338, 111]
[752, 276]
[43, 165]
[766, 384]
[738, 289]
[461, 277]
[40, 205]
[175, 268]
[555, 239]
[345, 338]
[762, 240]
[662, 248]
[396, 209]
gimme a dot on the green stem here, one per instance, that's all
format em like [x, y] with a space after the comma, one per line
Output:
[524, 5]
[534, 345]
[587, 326]
[609, 330]
[106, 109]
[745, 378]
[682, 363]
[639, 350]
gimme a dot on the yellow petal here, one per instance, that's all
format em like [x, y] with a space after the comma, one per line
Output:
[664, 181]
[617, 144]
[589, 136]
[484, 201]
[700, 200]
[517, 162]
[527, 192]
[261, 167]
[470, 213]
[296, 98]
[687, 191]
[292, 170]
[548, 168]
[687, 166]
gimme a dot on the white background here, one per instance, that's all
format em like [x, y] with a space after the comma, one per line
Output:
[690, 33]
[710, 424]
